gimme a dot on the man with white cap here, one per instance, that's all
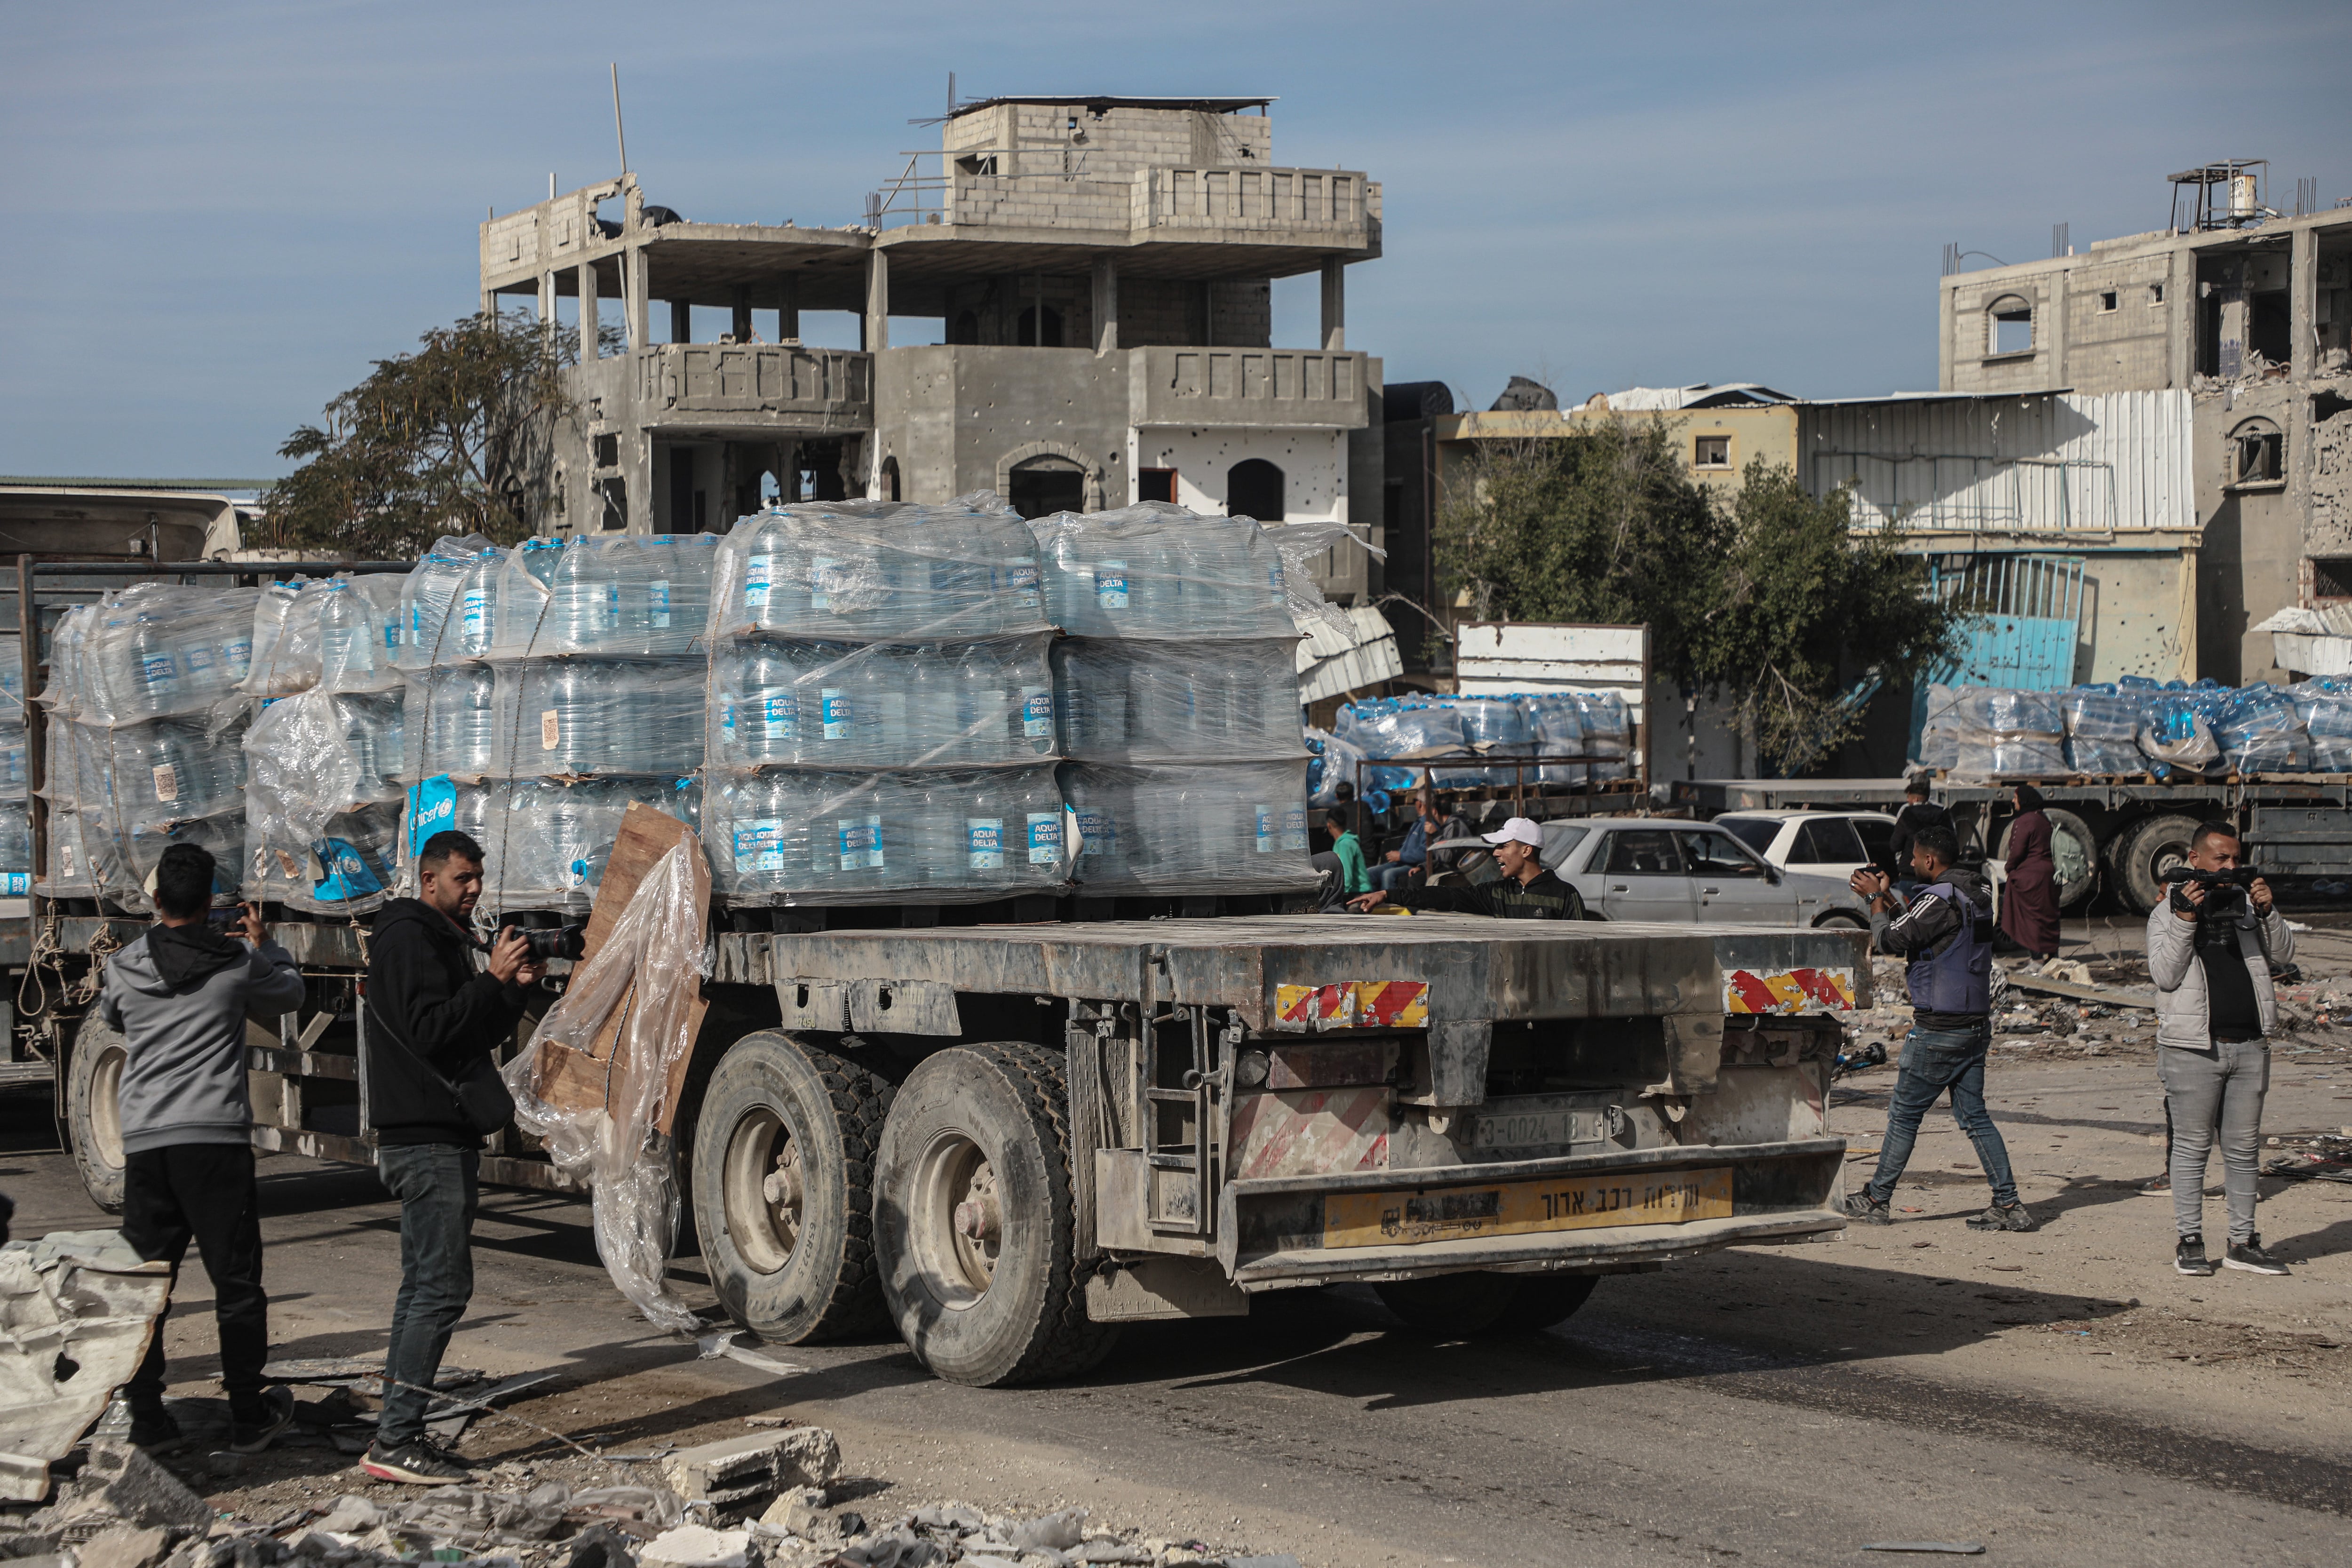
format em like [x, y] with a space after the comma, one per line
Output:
[1526, 891]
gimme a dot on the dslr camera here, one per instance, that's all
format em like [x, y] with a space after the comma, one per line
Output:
[554, 942]
[2225, 892]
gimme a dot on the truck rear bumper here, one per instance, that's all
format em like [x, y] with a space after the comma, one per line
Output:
[1294, 1230]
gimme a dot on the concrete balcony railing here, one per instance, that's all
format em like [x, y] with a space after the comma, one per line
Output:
[754, 379]
[1332, 206]
[1180, 386]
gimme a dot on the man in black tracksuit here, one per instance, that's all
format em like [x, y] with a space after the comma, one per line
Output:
[1525, 891]
[433, 1096]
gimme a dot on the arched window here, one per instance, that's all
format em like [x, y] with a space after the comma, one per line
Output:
[889, 479]
[2009, 325]
[2257, 453]
[1044, 486]
[1025, 331]
[1254, 488]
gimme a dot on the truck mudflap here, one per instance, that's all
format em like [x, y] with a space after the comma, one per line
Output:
[1577, 1211]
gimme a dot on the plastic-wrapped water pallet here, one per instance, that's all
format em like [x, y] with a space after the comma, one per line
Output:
[2103, 730]
[1130, 702]
[2260, 731]
[2325, 706]
[1158, 573]
[857, 571]
[801, 836]
[880, 705]
[322, 812]
[1178, 830]
[545, 842]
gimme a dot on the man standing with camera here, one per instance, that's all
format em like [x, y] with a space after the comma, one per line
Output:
[433, 1093]
[2210, 945]
[1946, 931]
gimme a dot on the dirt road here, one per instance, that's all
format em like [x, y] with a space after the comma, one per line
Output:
[2063, 1397]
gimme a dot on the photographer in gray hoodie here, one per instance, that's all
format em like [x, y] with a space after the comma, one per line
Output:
[179, 997]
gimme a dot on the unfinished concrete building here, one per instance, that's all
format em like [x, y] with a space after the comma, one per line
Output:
[1100, 272]
[2250, 311]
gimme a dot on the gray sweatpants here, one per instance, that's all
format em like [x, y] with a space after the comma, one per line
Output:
[2224, 1084]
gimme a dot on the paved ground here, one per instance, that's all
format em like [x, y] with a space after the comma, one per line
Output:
[2063, 1397]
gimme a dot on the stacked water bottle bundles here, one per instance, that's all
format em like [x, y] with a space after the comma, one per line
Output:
[554, 683]
[881, 708]
[16, 822]
[2136, 725]
[322, 814]
[1537, 738]
[147, 713]
[1178, 692]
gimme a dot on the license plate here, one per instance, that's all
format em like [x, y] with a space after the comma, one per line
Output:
[1522, 1208]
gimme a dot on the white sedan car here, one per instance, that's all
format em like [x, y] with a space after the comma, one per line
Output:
[1818, 843]
[1656, 868]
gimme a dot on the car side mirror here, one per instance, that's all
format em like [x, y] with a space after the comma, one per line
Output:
[1772, 875]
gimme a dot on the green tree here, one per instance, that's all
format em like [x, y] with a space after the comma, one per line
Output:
[1771, 598]
[456, 437]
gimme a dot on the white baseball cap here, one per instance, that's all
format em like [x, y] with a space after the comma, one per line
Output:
[1519, 830]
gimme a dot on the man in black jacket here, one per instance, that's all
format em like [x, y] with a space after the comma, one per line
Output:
[432, 1082]
[1525, 891]
[1919, 812]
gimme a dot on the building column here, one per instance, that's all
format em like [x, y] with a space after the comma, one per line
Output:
[876, 333]
[2055, 303]
[788, 313]
[742, 323]
[681, 321]
[2180, 314]
[547, 299]
[588, 344]
[637, 296]
[1335, 305]
[1106, 304]
[2302, 304]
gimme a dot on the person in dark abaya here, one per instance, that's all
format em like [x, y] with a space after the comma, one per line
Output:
[2028, 898]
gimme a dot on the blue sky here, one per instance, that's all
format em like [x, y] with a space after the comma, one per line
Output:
[219, 213]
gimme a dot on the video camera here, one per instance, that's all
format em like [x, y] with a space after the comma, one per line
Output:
[2225, 892]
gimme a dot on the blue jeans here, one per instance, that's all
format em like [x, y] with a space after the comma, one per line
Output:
[1933, 1061]
[1388, 876]
[436, 1184]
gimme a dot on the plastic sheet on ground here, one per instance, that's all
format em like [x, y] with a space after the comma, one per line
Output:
[77, 1309]
[601, 1079]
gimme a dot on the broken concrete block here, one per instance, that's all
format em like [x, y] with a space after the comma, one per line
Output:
[120, 1485]
[698, 1546]
[1054, 1532]
[801, 1511]
[125, 1546]
[738, 1471]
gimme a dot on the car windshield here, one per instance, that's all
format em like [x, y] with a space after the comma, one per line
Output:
[1559, 838]
[1755, 832]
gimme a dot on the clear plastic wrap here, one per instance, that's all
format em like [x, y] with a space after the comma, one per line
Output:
[284, 640]
[84, 860]
[470, 621]
[452, 723]
[12, 777]
[630, 597]
[1607, 734]
[426, 593]
[2325, 706]
[961, 571]
[1557, 724]
[2177, 732]
[1158, 572]
[545, 842]
[345, 869]
[882, 705]
[2103, 730]
[1234, 828]
[1335, 762]
[1394, 730]
[359, 633]
[792, 836]
[1138, 701]
[647, 973]
[2260, 731]
[320, 755]
[15, 848]
[157, 650]
[147, 776]
[594, 717]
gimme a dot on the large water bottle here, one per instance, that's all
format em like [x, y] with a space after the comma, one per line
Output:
[934, 734]
[350, 640]
[476, 611]
[838, 720]
[769, 588]
[153, 661]
[759, 706]
[461, 728]
[426, 593]
[583, 612]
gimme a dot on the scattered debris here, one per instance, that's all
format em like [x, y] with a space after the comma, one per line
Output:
[77, 1309]
[755, 1467]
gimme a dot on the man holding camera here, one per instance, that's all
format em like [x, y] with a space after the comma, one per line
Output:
[433, 1093]
[2210, 945]
[1946, 931]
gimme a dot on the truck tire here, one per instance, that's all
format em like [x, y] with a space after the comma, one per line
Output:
[2075, 848]
[1544, 1300]
[2146, 851]
[93, 1114]
[1453, 1305]
[782, 1181]
[974, 1221]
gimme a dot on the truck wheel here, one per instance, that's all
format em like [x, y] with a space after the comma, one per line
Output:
[1453, 1305]
[93, 1111]
[2075, 848]
[1544, 1300]
[2146, 852]
[974, 1221]
[783, 1162]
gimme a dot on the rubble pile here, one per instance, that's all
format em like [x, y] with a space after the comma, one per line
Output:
[772, 1499]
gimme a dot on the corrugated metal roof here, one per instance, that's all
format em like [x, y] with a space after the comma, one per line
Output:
[1331, 663]
[2060, 462]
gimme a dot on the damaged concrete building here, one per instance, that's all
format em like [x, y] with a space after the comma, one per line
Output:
[1099, 271]
[2247, 310]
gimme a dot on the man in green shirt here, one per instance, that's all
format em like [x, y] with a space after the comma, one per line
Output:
[1355, 877]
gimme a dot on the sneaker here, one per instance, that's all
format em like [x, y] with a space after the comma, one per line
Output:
[1861, 1207]
[2249, 1256]
[2160, 1187]
[156, 1432]
[2004, 1217]
[2189, 1258]
[417, 1462]
[255, 1430]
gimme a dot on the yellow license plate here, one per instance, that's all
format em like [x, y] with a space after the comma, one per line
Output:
[1520, 1208]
